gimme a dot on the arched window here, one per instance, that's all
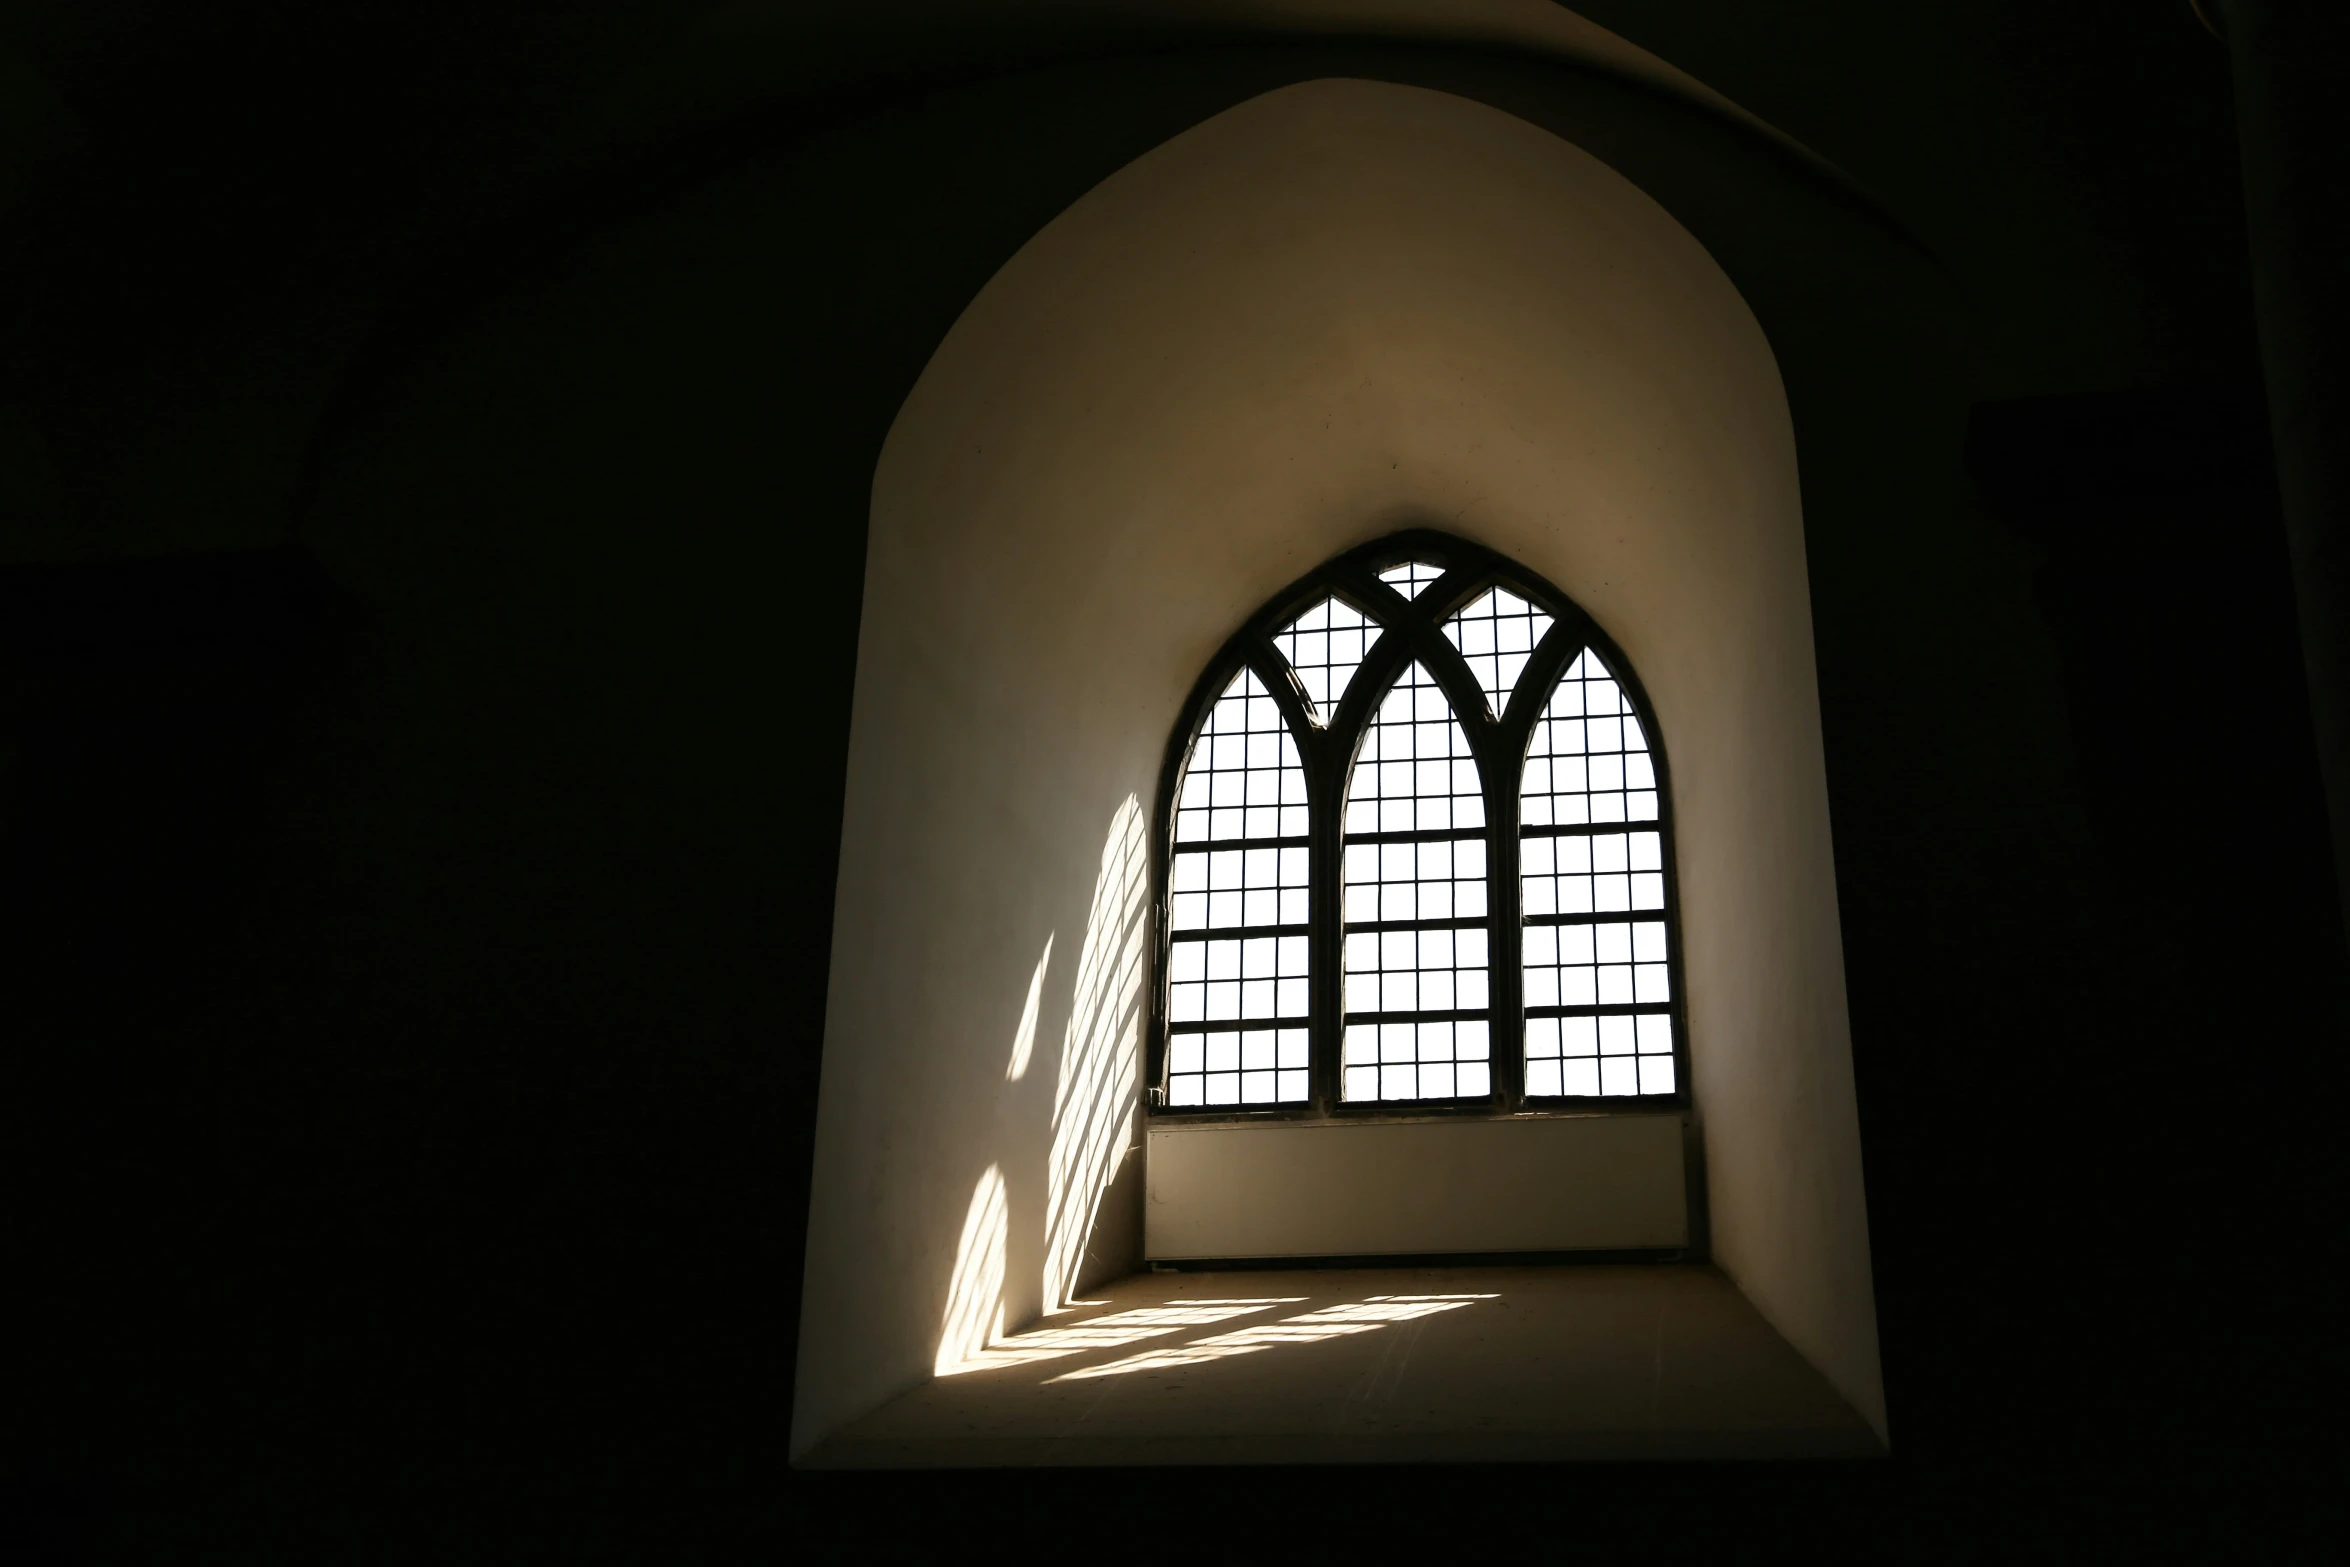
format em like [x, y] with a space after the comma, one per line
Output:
[1416, 854]
[1238, 910]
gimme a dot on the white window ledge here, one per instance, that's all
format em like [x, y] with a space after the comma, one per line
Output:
[1536, 1183]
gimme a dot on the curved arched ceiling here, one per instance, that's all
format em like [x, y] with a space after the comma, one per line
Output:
[756, 51]
[208, 210]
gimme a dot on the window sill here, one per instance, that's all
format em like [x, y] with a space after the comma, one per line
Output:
[1377, 1114]
[1418, 1186]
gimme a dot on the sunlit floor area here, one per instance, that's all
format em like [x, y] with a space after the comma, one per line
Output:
[1398, 1365]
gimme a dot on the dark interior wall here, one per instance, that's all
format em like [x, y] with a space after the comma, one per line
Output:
[2075, 168]
[420, 975]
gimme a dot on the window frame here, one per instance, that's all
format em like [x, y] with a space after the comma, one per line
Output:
[1410, 629]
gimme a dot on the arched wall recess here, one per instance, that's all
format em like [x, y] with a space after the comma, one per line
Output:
[1329, 312]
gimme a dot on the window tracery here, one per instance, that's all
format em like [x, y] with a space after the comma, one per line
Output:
[1496, 635]
[1325, 645]
[1457, 897]
[1410, 577]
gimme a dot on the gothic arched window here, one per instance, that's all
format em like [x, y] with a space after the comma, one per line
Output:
[1416, 852]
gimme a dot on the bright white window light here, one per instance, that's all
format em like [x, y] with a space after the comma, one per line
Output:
[1324, 645]
[1588, 761]
[1598, 976]
[1496, 635]
[1592, 873]
[1238, 969]
[1425, 915]
[1410, 577]
[1417, 1025]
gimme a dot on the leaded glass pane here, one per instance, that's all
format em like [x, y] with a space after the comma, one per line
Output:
[1496, 635]
[1410, 577]
[1588, 760]
[1598, 976]
[1415, 902]
[1237, 916]
[1324, 645]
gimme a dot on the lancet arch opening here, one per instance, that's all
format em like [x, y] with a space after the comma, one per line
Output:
[1419, 855]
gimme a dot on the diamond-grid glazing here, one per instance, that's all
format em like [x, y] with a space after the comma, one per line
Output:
[1496, 635]
[1588, 760]
[1324, 645]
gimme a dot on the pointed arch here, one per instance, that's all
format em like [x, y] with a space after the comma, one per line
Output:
[1324, 647]
[1418, 991]
[1239, 965]
[1497, 634]
[1599, 956]
[1419, 854]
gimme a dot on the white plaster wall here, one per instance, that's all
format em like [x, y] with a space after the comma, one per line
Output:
[1332, 311]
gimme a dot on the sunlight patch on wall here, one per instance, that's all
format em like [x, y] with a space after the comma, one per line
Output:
[975, 1294]
[1101, 1055]
[1309, 1328]
[1024, 1039]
